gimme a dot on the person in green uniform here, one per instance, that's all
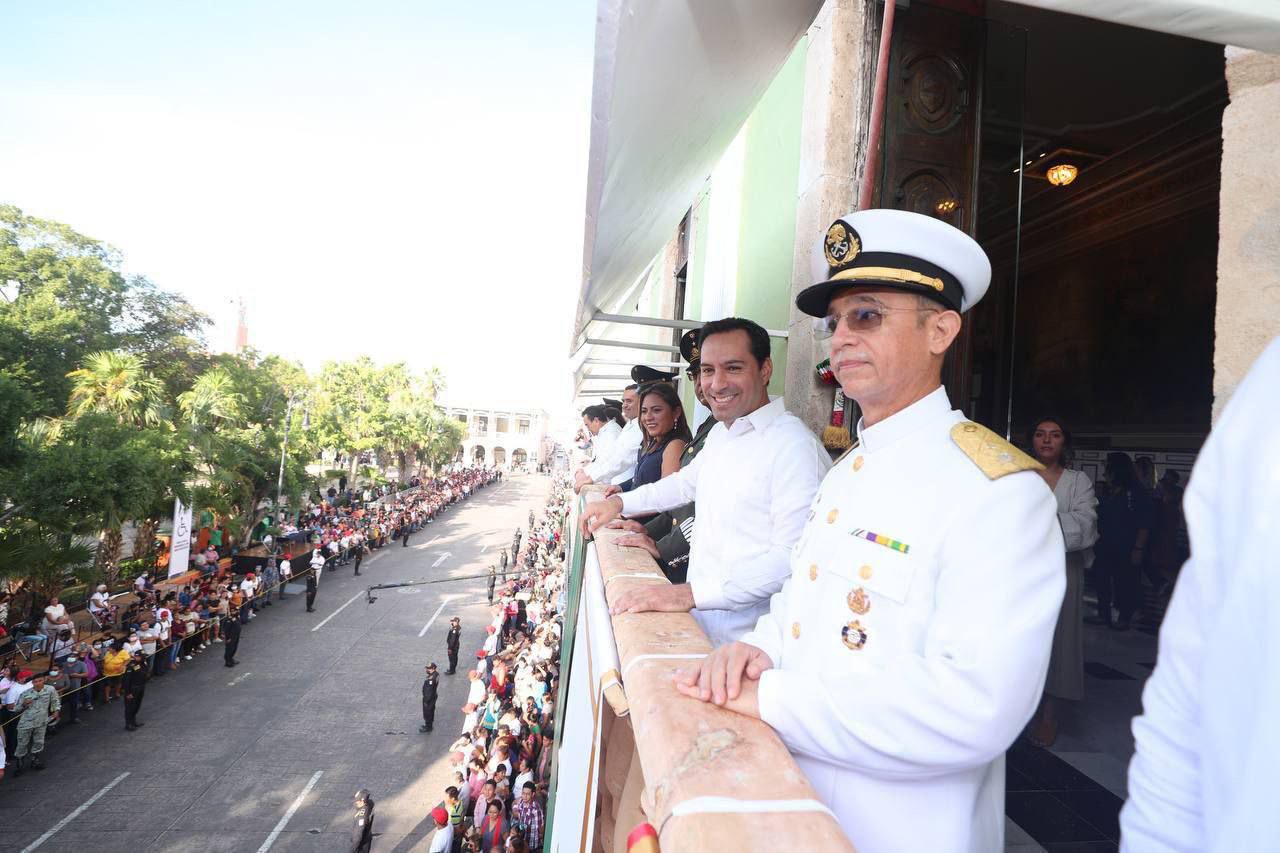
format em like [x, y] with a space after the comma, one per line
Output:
[38, 707]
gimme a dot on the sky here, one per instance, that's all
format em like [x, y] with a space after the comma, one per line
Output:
[399, 179]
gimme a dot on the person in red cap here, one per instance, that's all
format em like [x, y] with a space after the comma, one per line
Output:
[442, 841]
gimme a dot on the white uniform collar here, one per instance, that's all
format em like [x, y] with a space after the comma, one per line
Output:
[902, 424]
[761, 417]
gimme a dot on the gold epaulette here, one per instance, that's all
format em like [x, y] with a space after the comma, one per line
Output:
[991, 453]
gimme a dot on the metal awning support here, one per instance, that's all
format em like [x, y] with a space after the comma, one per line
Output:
[658, 322]
[647, 321]
[611, 363]
[602, 342]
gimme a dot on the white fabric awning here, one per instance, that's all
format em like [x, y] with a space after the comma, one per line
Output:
[1244, 23]
[674, 82]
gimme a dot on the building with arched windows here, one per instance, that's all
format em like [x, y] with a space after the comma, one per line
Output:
[505, 437]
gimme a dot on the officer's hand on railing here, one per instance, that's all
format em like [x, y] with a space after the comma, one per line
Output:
[599, 513]
[642, 541]
[719, 677]
[613, 490]
[627, 524]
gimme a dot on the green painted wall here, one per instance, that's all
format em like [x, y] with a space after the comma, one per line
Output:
[771, 176]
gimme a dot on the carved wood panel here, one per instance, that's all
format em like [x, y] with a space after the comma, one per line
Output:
[932, 122]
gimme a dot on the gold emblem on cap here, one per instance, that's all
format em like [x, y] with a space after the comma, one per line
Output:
[854, 635]
[859, 602]
[841, 244]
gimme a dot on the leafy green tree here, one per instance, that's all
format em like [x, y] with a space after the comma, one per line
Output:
[235, 418]
[353, 408]
[69, 299]
[167, 333]
[98, 473]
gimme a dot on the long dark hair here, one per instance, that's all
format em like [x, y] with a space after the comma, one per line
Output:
[1068, 446]
[680, 429]
[1120, 471]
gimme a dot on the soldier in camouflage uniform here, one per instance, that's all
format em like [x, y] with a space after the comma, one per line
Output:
[38, 706]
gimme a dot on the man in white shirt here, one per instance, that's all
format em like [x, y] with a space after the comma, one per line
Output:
[317, 562]
[286, 573]
[249, 588]
[442, 840]
[627, 447]
[149, 635]
[604, 432]
[753, 483]
[21, 685]
[1207, 744]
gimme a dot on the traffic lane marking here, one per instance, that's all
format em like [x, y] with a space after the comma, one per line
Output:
[339, 610]
[284, 821]
[444, 601]
[75, 814]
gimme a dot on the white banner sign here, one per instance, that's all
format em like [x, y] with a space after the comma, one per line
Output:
[180, 544]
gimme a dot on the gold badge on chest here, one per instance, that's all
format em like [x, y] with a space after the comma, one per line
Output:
[859, 601]
[854, 635]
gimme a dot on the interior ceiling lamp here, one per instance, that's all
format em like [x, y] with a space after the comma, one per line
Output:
[1061, 174]
[947, 206]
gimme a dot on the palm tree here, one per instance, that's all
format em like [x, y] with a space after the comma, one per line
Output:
[212, 398]
[434, 382]
[45, 556]
[119, 384]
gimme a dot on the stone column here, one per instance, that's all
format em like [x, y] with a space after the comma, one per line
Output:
[839, 75]
[1248, 311]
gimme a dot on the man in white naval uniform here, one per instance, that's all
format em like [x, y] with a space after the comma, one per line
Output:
[909, 645]
[1207, 743]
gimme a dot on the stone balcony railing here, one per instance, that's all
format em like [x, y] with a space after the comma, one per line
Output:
[712, 779]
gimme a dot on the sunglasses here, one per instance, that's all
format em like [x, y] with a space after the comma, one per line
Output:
[865, 318]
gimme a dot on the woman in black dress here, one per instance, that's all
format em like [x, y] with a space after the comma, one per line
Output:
[666, 432]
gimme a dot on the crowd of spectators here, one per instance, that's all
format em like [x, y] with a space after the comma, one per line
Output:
[163, 626]
[502, 759]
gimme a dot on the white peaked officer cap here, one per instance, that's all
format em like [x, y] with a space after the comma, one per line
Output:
[903, 251]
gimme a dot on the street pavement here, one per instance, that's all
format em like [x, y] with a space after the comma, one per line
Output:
[268, 755]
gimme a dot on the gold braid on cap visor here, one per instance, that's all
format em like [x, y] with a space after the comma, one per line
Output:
[888, 274]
